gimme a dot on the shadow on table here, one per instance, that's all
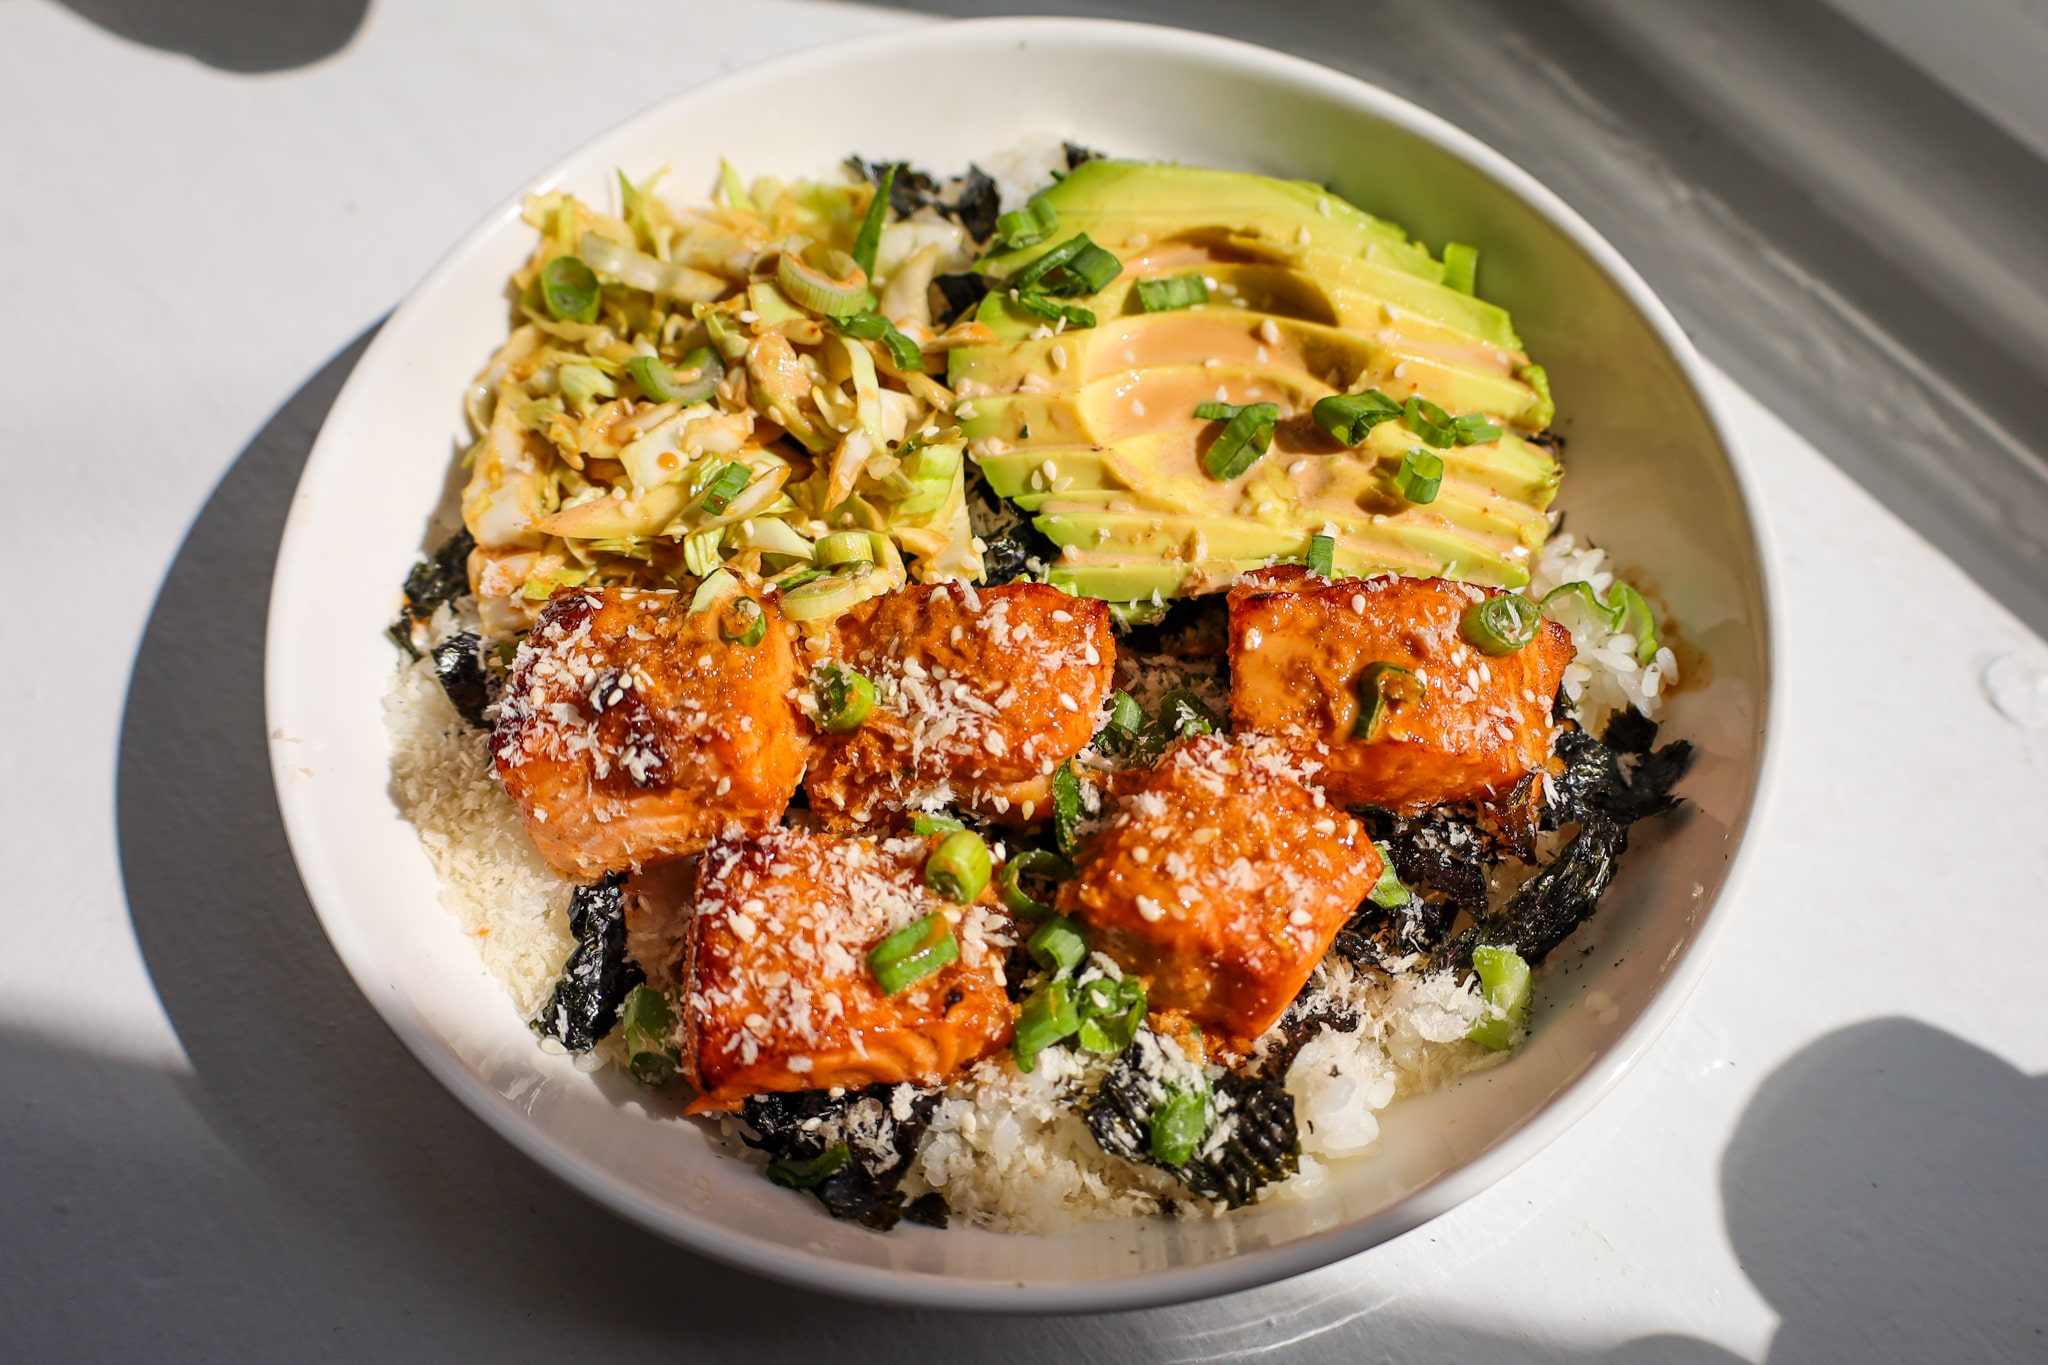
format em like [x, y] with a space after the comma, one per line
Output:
[308, 1185]
[233, 35]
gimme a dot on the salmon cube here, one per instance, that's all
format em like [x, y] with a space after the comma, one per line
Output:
[1475, 726]
[632, 731]
[1221, 879]
[779, 992]
[981, 694]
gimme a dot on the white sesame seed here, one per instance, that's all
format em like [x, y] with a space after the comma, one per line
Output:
[1150, 911]
[1300, 919]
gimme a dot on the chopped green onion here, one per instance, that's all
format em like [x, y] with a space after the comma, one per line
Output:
[1179, 1123]
[664, 385]
[755, 629]
[1382, 689]
[569, 288]
[1429, 421]
[1075, 266]
[844, 697]
[868, 325]
[648, 1024]
[1048, 1016]
[1183, 715]
[923, 823]
[1216, 412]
[1053, 311]
[1500, 624]
[821, 599]
[1322, 555]
[1420, 476]
[1537, 378]
[1111, 1013]
[655, 379]
[1350, 417]
[1627, 613]
[1029, 225]
[870, 235]
[730, 483]
[1461, 267]
[1244, 440]
[1180, 291]
[1058, 945]
[1066, 806]
[1387, 892]
[716, 587]
[804, 1175]
[1471, 428]
[958, 868]
[913, 953]
[823, 279]
[1039, 865]
[1504, 981]
[1126, 717]
[845, 547]
[581, 384]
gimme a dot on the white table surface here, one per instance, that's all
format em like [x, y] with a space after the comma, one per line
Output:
[211, 1149]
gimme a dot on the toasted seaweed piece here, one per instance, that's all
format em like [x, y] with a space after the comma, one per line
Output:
[1630, 732]
[465, 677]
[977, 205]
[597, 976]
[798, 1128]
[973, 205]
[929, 1209]
[962, 292]
[1078, 156]
[1254, 1138]
[440, 577]
[1301, 1023]
[1443, 851]
[1011, 541]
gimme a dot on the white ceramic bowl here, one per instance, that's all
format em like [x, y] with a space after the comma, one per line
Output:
[1651, 475]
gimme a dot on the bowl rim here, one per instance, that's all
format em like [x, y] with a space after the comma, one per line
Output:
[1239, 1271]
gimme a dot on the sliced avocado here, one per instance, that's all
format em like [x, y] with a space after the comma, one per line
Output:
[1100, 412]
[1119, 203]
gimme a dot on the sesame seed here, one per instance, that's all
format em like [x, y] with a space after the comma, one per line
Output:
[1150, 911]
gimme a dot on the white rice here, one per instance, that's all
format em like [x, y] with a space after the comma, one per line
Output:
[1604, 677]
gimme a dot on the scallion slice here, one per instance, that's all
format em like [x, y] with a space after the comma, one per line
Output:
[1420, 476]
[845, 547]
[1029, 225]
[1178, 291]
[1322, 555]
[1429, 421]
[1179, 1123]
[1625, 611]
[1183, 715]
[1504, 980]
[1058, 945]
[1461, 267]
[1503, 623]
[647, 1023]
[823, 279]
[1038, 865]
[1246, 437]
[868, 325]
[753, 627]
[804, 1175]
[1111, 1013]
[1350, 417]
[870, 235]
[913, 953]
[1054, 311]
[1048, 1015]
[694, 381]
[844, 697]
[925, 823]
[1473, 428]
[1066, 806]
[1126, 717]
[1075, 266]
[958, 868]
[569, 288]
[730, 483]
[1387, 892]
[1382, 690]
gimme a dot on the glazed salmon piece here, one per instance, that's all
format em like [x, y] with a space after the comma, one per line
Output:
[1299, 647]
[779, 994]
[981, 694]
[633, 732]
[1221, 879]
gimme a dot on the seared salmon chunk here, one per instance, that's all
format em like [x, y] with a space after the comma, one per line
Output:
[1452, 723]
[634, 730]
[980, 695]
[780, 992]
[1221, 879]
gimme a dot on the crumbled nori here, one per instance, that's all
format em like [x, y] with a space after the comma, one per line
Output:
[465, 677]
[595, 980]
[1603, 800]
[929, 1209]
[977, 205]
[798, 1127]
[1263, 1144]
[1302, 1021]
[440, 577]
[973, 205]
[1077, 155]
[1010, 539]
[1441, 850]
[963, 293]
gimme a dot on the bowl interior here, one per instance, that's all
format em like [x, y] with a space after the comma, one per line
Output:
[1649, 477]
